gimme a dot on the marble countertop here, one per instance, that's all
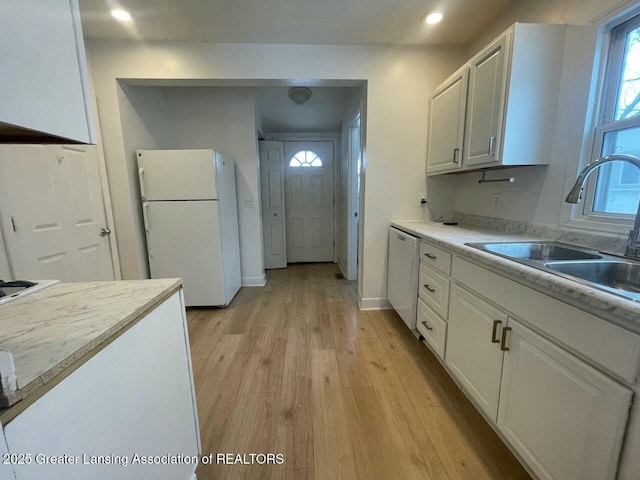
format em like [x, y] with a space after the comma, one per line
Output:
[53, 332]
[618, 310]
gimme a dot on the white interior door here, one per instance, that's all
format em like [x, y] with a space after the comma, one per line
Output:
[53, 213]
[309, 201]
[273, 209]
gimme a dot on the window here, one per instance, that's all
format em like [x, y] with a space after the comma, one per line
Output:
[614, 191]
[305, 158]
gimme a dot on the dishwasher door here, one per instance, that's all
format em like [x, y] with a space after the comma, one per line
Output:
[402, 277]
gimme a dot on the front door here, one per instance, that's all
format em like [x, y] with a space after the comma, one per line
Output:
[53, 213]
[309, 201]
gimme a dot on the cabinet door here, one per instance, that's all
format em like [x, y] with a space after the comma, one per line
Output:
[485, 109]
[44, 73]
[446, 124]
[471, 355]
[564, 418]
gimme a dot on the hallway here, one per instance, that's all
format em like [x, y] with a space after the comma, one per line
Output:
[296, 369]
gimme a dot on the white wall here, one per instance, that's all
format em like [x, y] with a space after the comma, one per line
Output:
[400, 80]
[539, 192]
[224, 118]
[351, 106]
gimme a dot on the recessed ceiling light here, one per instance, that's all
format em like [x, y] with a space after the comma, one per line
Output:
[433, 17]
[121, 15]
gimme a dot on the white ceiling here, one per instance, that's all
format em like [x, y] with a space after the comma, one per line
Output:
[322, 113]
[324, 22]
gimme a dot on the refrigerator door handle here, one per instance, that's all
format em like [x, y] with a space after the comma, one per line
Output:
[141, 179]
[147, 227]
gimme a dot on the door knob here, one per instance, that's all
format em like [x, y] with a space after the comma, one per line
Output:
[105, 231]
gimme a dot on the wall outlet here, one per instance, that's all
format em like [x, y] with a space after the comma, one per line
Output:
[422, 199]
[497, 202]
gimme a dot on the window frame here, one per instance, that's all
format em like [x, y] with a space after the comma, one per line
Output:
[612, 52]
[305, 164]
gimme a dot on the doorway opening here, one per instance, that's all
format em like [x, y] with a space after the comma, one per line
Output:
[310, 179]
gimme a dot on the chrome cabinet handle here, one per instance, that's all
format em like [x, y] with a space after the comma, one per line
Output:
[503, 343]
[427, 326]
[426, 285]
[492, 146]
[495, 331]
[428, 255]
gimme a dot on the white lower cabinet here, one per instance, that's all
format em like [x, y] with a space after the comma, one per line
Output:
[565, 419]
[473, 352]
[132, 400]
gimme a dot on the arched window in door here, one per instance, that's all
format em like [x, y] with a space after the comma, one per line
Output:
[305, 158]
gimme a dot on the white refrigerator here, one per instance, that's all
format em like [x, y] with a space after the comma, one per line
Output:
[191, 222]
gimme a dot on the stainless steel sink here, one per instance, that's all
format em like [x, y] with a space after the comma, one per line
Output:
[620, 275]
[600, 270]
[541, 251]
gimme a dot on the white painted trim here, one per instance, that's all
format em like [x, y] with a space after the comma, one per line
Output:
[374, 303]
[6, 269]
[106, 193]
[343, 269]
[620, 12]
[320, 137]
[254, 281]
[352, 201]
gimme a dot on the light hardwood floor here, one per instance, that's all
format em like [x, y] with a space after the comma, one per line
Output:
[295, 368]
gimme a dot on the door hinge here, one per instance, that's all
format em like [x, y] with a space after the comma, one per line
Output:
[13, 224]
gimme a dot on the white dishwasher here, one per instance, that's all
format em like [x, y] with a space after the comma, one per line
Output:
[402, 275]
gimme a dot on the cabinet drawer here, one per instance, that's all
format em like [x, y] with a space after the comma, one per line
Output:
[433, 328]
[436, 257]
[434, 290]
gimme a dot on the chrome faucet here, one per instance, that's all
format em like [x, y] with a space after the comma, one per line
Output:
[633, 243]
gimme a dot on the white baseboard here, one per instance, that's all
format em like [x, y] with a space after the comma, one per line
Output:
[254, 281]
[373, 304]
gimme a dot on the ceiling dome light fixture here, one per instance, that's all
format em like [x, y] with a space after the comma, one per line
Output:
[299, 95]
[433, 18]
[121, 15]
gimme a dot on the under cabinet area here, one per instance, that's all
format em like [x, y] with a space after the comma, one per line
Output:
[499, 109]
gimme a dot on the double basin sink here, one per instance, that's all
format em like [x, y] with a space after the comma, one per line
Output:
[607, 272]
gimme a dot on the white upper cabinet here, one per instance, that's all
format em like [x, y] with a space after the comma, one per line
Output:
[487, 92]
[507, 114]
[44, 77]
[446, 123]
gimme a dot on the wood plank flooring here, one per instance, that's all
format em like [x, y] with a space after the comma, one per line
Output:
[295, 368]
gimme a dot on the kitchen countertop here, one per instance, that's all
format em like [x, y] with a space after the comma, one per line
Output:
[53, 332]
[620, 311]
